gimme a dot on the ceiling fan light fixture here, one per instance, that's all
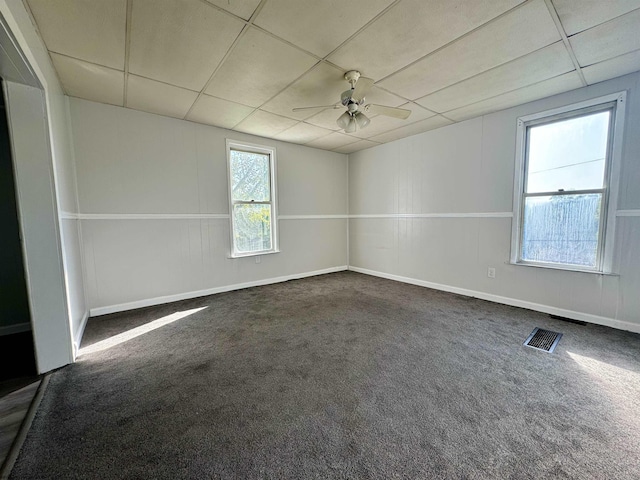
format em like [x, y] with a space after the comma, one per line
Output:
[343, 120]
[354, 101]
[362, 120]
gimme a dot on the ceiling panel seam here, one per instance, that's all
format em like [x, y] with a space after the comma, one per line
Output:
[127, 48]
[501, 95]
[230, 14]
[565, 39]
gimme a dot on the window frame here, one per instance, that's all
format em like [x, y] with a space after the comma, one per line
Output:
[610, 189]
[234, 145]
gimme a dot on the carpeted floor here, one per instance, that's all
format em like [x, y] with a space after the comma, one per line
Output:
[339, 376]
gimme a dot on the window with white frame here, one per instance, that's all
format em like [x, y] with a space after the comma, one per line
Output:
[252, 194]
[566, 185]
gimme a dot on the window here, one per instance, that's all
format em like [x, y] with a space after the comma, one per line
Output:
[566, 185]
[252, 196]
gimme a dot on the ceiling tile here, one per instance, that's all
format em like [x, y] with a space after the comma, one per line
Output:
[218, 112]
[381, 124]
[302, 133]
[259, 67]
[546, 88]
[356, 146]
[579, 15]
[264, 124]
[91, 31]
[241, 8]
[616, 67]
[616, 37]
[415, 128]
[89, 81]
[160, 98]
[521, 31]
[546, 63]
[332, 141]
[179, 42]
[318, 26]
[410, 30]
[321, 86]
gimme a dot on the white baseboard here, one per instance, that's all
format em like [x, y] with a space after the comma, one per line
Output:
[514, 302]
[78, 337]
[94, 312]
[17, 328]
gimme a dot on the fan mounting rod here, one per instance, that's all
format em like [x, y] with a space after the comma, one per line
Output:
[352, 77]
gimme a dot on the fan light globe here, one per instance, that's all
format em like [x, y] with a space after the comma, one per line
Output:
[352, 127]
[362, 120]
[343, 120]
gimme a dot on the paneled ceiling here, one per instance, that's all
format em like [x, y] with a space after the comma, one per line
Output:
[245, 64]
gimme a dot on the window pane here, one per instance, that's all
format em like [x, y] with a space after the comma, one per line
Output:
[250, 179]
[252, 228]
[562, 229]
[568, 155]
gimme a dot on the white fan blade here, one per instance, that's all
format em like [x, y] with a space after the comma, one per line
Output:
[319, 107]
[363, 85]
[400, 113]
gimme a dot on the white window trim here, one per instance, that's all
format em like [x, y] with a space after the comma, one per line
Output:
[271, 151]
[611, 185]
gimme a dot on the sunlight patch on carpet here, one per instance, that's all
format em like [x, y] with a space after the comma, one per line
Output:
[136, 332]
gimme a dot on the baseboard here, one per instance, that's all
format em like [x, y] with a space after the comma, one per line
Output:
[514, 302]
[78, 337]
[17, 328]
[95, 312]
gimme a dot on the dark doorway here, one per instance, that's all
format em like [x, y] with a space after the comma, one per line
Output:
[17, 357]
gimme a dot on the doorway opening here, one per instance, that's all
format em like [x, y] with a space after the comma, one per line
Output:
[17, 351]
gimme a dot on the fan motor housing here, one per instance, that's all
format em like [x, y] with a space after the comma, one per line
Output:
[352, 76]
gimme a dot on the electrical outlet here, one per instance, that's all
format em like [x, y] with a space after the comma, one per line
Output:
[491, 272]
[258, 259]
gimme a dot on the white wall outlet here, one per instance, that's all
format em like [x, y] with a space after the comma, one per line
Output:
[258, 259]
[491, 272]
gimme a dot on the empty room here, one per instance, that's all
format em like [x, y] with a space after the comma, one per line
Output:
[291, 239]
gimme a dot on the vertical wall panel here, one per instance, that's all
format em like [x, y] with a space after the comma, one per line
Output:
[131, 162]
[468, 168]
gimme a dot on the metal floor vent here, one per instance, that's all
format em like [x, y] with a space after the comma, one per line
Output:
[544, 340]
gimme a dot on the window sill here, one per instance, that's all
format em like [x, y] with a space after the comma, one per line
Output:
[252, 254]
[564, 269]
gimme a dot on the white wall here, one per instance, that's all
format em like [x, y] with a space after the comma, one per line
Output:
[437, 212]
[154, 208]
[58, 152]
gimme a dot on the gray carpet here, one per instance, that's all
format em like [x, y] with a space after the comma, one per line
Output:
[341, 376]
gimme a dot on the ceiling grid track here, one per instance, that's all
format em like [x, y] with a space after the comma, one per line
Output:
[565, 40]
[127, 47]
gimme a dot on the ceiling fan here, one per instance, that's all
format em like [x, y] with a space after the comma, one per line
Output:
[353, 99]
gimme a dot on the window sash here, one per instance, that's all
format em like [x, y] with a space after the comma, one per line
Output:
[574, 266]
[270, 153]
[614, 103]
